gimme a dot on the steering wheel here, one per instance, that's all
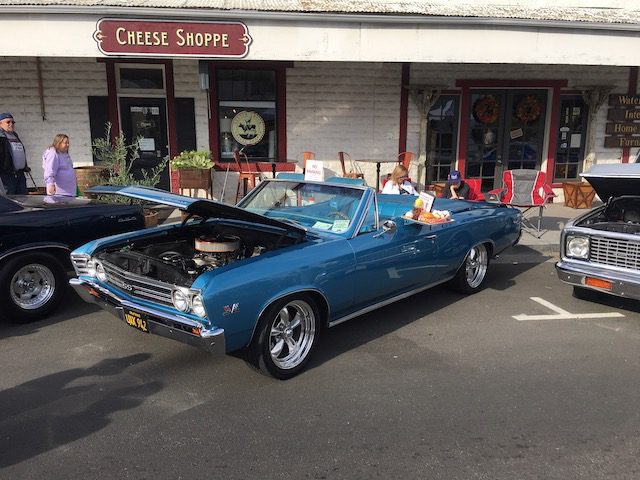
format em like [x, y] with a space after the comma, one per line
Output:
[338, 214]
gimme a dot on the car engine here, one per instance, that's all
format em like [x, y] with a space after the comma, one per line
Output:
[180, 260]
[620, 215]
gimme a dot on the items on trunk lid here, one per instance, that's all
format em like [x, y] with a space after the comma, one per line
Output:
[422, 211]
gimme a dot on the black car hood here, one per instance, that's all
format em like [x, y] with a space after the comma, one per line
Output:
[614, 180]
[198, 206]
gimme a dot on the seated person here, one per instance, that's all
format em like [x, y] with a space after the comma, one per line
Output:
[399, 183]
[455, 188]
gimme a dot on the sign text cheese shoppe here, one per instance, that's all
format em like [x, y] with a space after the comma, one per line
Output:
[201, 39]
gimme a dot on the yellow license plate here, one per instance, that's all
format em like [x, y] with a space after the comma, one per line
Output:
[136, 320]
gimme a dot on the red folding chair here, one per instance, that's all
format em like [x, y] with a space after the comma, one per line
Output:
[526, 189]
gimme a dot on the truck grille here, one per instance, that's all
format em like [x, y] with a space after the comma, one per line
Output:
[138, 286]
[618, 253]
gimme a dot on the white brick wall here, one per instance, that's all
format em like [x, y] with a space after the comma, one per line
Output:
[67, 82]
[187, 84]
[331, 106]
[351, 107]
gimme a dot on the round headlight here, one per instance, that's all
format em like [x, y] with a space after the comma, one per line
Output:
[578, 247]
[91, 267]
[197, 306]
[100, 272]
[180, 300]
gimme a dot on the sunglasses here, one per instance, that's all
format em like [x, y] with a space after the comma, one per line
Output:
[9, 121]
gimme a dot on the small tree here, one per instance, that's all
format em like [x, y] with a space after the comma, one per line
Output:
[117, 157]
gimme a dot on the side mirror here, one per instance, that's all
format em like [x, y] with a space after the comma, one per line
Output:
[387, 226]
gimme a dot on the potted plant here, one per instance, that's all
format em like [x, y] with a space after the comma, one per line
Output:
[116, 158]
[194, 169]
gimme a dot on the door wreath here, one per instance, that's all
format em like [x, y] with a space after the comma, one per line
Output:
[528, 109]
[486, 110]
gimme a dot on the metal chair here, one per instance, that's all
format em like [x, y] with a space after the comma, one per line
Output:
[306, 156]
[526, 189]
[248, 173]
[405, 159]
[355, 171]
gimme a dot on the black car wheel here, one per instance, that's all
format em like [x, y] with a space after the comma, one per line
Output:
[31, 287]
[472, 272]
[285, 337]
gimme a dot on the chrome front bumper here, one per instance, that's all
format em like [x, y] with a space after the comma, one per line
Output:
[623, 284]
[159, 323]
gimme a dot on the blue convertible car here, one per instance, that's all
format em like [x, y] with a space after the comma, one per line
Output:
[293, 257]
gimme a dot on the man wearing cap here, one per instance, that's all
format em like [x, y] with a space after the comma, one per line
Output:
[455, 186]
[13, 159]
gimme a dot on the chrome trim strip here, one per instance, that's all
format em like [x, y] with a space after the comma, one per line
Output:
[15, 250]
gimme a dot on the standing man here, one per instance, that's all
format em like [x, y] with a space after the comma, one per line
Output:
[13, 159]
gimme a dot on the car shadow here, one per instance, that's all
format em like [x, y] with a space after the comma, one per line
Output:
[613, 301]
[56, 409]
[374, 325]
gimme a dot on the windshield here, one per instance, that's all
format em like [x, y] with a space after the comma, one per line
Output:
[310, 205]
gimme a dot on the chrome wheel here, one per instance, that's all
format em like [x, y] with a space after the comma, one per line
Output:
[32, 286]
[292, 334]
[476, 265]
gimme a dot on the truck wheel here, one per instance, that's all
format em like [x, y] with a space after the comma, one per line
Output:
[31, 287]
[285, 337]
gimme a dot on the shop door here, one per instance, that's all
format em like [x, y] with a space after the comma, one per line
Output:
[146, 118]
[506, 132]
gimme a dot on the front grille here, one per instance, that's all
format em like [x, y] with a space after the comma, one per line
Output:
[138, 286]
[80, 263]
[615, 252]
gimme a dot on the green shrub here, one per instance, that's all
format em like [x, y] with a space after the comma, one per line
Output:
[192, 159]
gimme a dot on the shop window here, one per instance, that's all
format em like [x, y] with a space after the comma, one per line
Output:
[571, 138]
[139, 78]
[443, 136]
[247, 113]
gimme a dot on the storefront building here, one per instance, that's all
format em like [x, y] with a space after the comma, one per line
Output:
[479, 89]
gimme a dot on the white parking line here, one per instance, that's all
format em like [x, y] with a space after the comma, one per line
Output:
[562, 314]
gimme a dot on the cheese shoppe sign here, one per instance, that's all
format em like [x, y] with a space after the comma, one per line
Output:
[168, 38]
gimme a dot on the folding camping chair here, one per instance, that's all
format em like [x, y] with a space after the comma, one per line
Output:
[526, 189]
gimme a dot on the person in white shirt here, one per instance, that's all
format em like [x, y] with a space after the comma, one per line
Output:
[399, 183]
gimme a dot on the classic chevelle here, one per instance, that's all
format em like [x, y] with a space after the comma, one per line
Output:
[600, 250]
[292, 258]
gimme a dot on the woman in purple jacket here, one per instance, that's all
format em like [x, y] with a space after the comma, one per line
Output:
[59, 176]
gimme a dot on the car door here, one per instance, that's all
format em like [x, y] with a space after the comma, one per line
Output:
[393, 262]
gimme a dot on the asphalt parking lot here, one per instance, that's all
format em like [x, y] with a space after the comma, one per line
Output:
[497, 385]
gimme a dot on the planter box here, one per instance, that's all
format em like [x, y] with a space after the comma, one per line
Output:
[194, 178]
[578, 194]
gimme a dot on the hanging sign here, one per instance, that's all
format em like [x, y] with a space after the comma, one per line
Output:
[624, 129]
[169, 38]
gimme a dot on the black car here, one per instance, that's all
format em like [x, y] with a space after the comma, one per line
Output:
[37, 233]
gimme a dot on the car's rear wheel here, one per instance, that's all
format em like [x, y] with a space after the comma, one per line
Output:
[473, 271]
[31, 287]
[285, 337]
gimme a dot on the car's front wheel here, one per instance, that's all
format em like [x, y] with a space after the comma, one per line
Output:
[31, 287]
[472, 272]
[285, 337]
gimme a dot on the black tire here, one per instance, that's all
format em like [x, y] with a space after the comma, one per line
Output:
[473, 271]
[31, 287]
[285, 337]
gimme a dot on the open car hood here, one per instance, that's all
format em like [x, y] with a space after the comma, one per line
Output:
[197, 206]
[614, 180]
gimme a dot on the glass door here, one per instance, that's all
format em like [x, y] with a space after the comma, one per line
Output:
[506, 132]
[146, 119]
